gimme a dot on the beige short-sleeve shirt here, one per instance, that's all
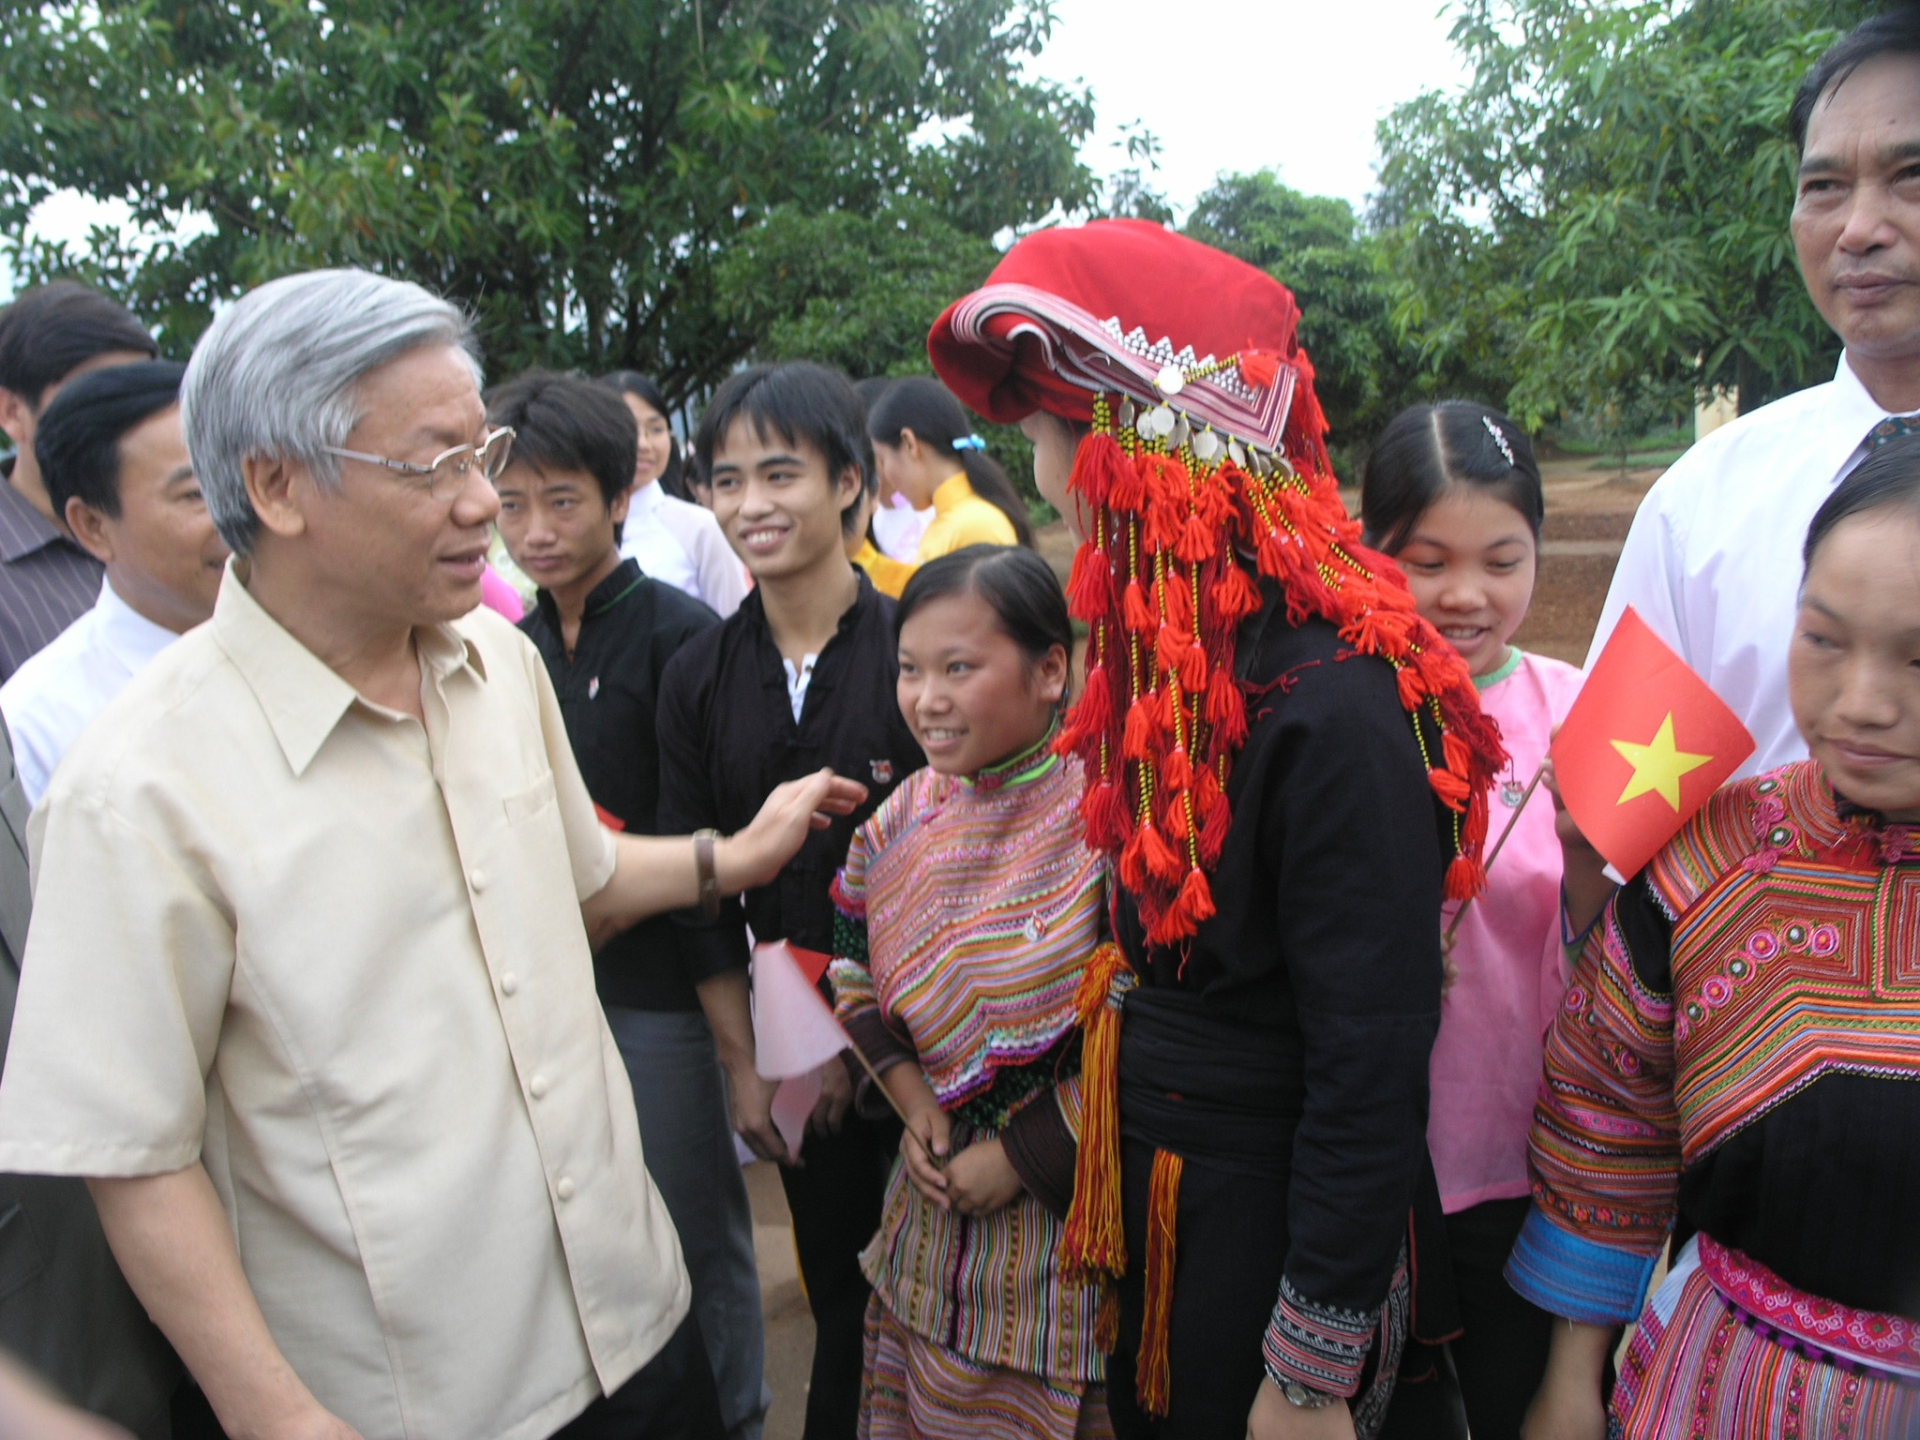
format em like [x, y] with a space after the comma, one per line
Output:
[337, 956]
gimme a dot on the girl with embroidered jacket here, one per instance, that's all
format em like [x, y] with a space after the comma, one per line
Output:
[1740, 1051]
[970, 905]
[1452, 493]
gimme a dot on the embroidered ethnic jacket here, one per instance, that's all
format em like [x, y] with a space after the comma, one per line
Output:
[1740, 1049]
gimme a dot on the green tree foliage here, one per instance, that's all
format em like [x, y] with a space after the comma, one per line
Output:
[1600, 218]
[1315, 246]
[595, 178]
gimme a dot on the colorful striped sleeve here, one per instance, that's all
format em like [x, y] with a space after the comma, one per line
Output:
[856, 1002]
[1323, 1347]
[1605, 1147]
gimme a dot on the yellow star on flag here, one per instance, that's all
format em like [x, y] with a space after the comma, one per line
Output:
[1657, 767]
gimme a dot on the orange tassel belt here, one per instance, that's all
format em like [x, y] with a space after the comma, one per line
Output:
[1245, 1079]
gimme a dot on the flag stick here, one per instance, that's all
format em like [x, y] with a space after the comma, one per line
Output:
[880, 1085]
[1494, 854]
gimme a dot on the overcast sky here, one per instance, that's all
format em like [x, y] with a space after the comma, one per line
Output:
[1226, 85]
[1239, 85]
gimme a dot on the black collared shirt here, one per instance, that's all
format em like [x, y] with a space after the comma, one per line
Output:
[46, 581]
[609, 696]
[728, 737]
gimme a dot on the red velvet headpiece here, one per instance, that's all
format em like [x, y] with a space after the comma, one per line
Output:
[1126, 278]
[1207, 445]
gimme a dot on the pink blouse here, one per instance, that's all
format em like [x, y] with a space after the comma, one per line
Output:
[1486, 1062]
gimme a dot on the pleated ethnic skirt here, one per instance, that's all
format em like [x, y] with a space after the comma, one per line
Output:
[1698, 1367]
[914, 1389]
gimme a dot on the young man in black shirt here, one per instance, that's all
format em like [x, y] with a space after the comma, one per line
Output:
[606, 632]
[802, 676]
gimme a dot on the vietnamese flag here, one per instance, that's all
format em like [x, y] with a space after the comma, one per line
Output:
[1644, 746]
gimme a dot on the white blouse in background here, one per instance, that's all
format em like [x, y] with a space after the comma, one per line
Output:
[1712, 562]
[681, 544]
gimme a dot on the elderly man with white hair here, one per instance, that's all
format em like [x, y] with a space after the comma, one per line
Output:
[308, 996]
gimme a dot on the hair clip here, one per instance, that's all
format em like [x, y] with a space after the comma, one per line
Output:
[1499, 438]
[969, 442]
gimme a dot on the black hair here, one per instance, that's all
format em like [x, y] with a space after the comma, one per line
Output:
[1889, 476]
[1427, 448]
[1017, 585]
[77, 441]
[565, 422]
[871, 389]
[796, 401]
[51, 330]
[926, 407]
[632, 382]
[1896, 31]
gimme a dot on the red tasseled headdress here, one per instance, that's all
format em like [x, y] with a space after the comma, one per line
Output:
[1191, 459]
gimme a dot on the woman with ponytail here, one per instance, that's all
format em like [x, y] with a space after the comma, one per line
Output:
[924, 447]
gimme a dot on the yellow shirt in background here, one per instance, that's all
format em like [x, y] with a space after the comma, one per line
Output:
[889, 576]
[961, 518]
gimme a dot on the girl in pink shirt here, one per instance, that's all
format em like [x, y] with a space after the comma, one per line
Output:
[1452, 492]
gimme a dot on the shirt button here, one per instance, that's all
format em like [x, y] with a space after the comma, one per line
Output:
[509, 983]
[478, 879]
[537, 1087]
[564, 1187]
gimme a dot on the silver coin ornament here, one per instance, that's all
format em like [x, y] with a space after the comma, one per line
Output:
[1237, 453]
[1170, 381]
[1160, 420]
[1182, 432]
[1129, 412]
[1206, 446]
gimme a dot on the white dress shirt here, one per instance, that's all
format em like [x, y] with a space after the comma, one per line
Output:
[681, 544]
[49, 699]
[1712, 562]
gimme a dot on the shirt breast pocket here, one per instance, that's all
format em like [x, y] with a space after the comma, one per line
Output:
[525, 805]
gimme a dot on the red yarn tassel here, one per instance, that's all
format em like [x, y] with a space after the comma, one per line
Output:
[1136, 611]
[1169, 646]
[1176, 773]
[1452, 790]
[1193, 669]
[1465, 878]
[1096, 463]
[1157, 855]
[1104, 808]
[1196, 899]
[1236, 596]
[1127, 491]
[1213, 833]
[1171, 597]
[1136, 740]
[1197, 541]
[1090, 584]
[1412, 688]
[1259, 368]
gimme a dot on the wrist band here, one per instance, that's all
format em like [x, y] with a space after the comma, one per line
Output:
[703, 865]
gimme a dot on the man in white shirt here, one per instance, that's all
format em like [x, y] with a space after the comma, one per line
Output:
[308, 998]
[1713, 560]
[114, 461]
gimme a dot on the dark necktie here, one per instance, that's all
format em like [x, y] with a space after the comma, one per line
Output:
[1891, 429]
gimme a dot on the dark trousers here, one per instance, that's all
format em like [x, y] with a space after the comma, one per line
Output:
[835, 1197]
[671, 1397]
[1497, 1363]
[1230, 1243]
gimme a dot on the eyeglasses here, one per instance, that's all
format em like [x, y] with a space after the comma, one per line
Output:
[447, 474]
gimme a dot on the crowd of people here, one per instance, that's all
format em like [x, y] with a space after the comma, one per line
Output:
[408, 773]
